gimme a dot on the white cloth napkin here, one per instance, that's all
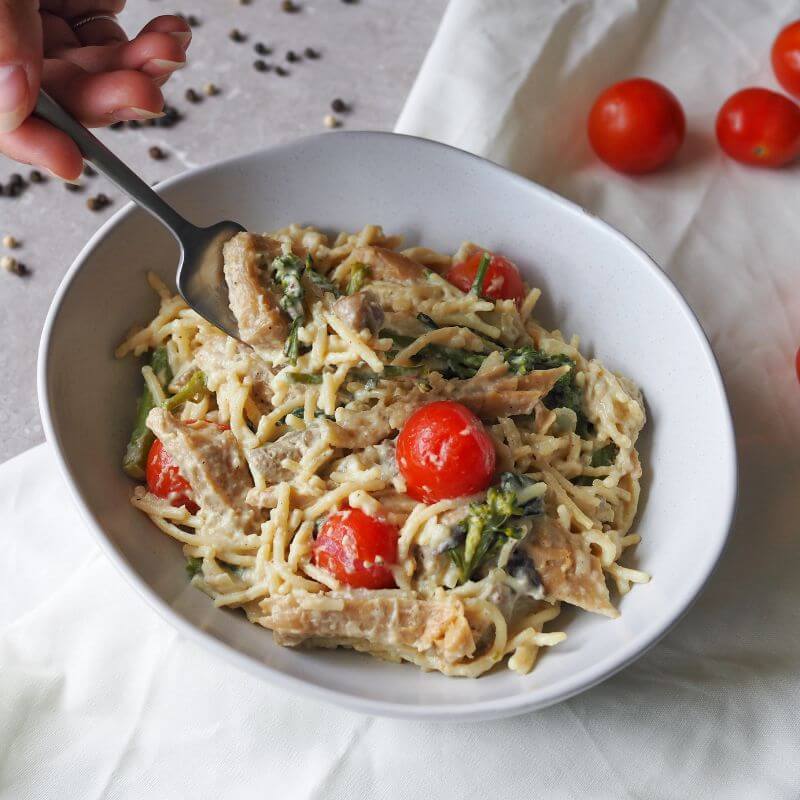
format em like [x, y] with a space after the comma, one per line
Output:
[99, 698]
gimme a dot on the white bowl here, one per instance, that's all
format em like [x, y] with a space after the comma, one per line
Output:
[595, 283]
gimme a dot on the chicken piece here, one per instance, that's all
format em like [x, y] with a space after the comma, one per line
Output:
[387, 265]
[377, 622]
[490, 394]
[219, 355]
[498, 393]
[212, 462]
[261, 322]
[360, 310]
[566, 567]
[269, 460]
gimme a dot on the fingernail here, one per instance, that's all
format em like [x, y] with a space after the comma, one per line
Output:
[163, 65]
[13, 96]
[127, 114]
[184, 37]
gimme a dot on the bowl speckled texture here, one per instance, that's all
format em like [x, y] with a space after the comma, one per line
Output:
[596, 283]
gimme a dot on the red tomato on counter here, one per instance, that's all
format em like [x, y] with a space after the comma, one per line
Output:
[759, 127]
[636, 126]
[502, 282]
[356, 549]
[164, 478]
[444, 451]
[786, 58]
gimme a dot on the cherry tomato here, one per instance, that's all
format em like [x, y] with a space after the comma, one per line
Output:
[786, 58]
[164, 478]
[502, 282]
[759, 127]
[444, 451]
[356, 549]
[636, 126]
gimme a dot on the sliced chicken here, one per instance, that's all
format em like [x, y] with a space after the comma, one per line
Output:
[212, 462]
[360, 310]
[261, 322]
[269, 460]
[377, 622]
[491, 394]
[567, 569]
[387, 265]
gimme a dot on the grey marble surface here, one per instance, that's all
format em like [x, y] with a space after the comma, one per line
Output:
[370, 53]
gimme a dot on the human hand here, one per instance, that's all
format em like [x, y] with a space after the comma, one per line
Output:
[80, 55]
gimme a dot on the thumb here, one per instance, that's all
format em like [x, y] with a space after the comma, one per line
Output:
[20, 61]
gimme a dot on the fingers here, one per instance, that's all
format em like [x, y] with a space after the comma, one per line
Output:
[76, 8]
[37, 142]
[103, 30]
[102, 98]
[20, 61]
[155, 54]
[171, 24]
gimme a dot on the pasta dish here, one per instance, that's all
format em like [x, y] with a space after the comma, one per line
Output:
[395, 458]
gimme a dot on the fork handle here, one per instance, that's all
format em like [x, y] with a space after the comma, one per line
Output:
[113, 168]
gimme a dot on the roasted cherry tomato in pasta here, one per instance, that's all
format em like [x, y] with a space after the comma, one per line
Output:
[786, 58]
[759, 127]
[444, 451]
[502, 281]
[164, 478]
[636, 126]
[357, 549]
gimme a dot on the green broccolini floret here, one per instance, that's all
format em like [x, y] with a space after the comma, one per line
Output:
[135, 457]
[287, 271]
[193, 391]
[318, 279]
[480, 275]
[358, 275]
[523, 360]
[605, 456]
[490, 524]
[194, 566]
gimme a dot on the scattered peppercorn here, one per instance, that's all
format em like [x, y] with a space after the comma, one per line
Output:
[289, 7]
[89, 171]
[211, 89]
[244, 2]
[10, 264]
[36, 176]
[2, 190]
[13, 189]
[156, 153]
[193, 21]
[339, 106]
[281, 71]
[115, 126]
[350, 2]
[310, 52]
[330, 121]
[260, 65]
[262, 49]
[98, 203]
[10, 242]
[292, 56]
[171, 117]
[73, 187]
[134, 123]
[16, 180]
[237, 36]
[192, 96]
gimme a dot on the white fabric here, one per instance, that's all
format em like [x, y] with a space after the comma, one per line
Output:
[100, 698]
